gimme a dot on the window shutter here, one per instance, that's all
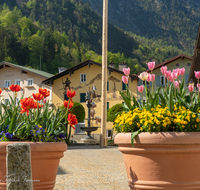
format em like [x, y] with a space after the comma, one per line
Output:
[107, 85]
[82, 97]
[157, 80]
[150, 83]
[186, 78]
[140, 82]
[107, 105]
[66, 97]
[123, 86]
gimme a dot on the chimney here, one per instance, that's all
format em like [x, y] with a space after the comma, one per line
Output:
[61, 69]
[112, 64]
[122, 65]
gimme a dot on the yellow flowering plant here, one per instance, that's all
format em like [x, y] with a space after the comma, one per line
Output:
[172, 109]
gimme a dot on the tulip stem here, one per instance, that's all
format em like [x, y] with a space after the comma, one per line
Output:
[191, 99]
[152, 83]
[142, 99]
[198, 88]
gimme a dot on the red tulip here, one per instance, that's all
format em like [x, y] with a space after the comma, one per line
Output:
[44, 92]
[66, 103]
[72, 120]
[37, 96]
[15, 88]
[0, 91]
[70, 94]
[26, 104]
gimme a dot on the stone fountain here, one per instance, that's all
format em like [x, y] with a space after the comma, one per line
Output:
[90, 96]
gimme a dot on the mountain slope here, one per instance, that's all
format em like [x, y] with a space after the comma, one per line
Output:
[173, 21]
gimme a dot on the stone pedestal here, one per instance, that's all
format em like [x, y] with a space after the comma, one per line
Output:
[18, 167]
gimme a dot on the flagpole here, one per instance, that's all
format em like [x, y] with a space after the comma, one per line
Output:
[103, 141]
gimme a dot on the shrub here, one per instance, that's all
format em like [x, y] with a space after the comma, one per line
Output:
[79, 111]
[114, 111]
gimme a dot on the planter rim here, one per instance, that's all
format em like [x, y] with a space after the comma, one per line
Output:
[159, 138]
[38, 146]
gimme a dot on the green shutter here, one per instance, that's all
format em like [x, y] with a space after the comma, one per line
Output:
[82, 97]
[66, 97]
[157, 80]
[107, 105]
[107, 85]
[123, 86]
[186, 78]
[140, 82]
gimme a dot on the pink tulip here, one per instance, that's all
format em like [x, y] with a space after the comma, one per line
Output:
[163, 69]
[149, 78]
[143, 76]
[125, 79]
[153, 77]
[191, 88]
[126, 71]
[151, 65]
[198, 85]
[44, 100]
[174, 75]
[197, 74]
[176, 84]
[177, 71]
[182, 71]
[168, 74]
[140, 88]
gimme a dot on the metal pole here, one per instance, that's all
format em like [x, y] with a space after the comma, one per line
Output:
[103, 141]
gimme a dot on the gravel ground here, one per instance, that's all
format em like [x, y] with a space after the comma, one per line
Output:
[91, 168]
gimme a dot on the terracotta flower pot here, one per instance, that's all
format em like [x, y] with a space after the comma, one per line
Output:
[167, 161]
[45, 159]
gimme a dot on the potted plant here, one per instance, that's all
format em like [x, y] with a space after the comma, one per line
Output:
[34, 121]
[159, 138]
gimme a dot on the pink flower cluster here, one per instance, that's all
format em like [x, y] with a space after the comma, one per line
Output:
[127, 73]
[172, 75]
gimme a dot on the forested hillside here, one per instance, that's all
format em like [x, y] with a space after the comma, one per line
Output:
[67, 32]
[175, 22]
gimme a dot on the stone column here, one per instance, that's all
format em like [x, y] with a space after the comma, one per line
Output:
[18, 167]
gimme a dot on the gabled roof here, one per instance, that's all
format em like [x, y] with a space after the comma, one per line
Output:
[170, 60]
[25, 69]
[196, 59]
[83, 64]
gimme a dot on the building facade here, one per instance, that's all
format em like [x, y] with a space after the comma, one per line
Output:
[29, 80]
[86, 76]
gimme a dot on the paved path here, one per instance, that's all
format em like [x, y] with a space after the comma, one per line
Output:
[91, 168]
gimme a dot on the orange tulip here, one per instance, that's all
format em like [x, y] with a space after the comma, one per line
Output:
[70, 94]
[70, 104]
[15, 88]
[72, 120]
[0, 91]
[37, 96]
[44, 92]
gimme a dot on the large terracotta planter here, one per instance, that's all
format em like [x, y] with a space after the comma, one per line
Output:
[45, 159]
[167, 161]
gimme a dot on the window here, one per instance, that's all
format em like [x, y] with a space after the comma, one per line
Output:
[17, 100]
[6, 101]
[177, 64]
[18, 82]
[83, 78]
[189, 64]
[162, 80]
[29, 82]
[82, 97]
[6, 83]
[143, 82]
[108, 133]
[107, 85]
